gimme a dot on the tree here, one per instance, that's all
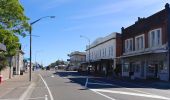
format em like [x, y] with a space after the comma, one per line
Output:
[3, 61]
[12, 45]
[13, 22]
[12, 17]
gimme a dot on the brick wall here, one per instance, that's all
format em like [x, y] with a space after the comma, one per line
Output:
[144, 25]
[118, 45]
[5, 73]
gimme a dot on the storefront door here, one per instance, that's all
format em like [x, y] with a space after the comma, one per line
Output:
[153, 71]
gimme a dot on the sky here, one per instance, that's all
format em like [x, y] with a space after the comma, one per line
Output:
[91, 18]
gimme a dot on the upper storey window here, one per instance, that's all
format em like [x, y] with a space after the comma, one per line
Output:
[155, 38]
[139, 42]
[129, 45]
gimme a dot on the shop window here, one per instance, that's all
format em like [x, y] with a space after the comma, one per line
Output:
[162, 67]
[137, 68]
[126, 68]
[151, 68]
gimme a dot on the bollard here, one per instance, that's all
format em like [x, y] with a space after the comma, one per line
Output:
[1, 79]
[46, 97]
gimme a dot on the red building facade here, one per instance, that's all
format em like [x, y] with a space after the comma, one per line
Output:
[145, 47]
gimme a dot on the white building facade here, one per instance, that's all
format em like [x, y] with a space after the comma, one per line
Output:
[102, 54]
[76, 58]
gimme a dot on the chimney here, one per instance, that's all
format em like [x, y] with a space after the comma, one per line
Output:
[167, 6]
[139, 18]
[122, 29]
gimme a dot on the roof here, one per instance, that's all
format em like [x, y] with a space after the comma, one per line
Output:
[77, 53]
[102, 40]
[144, 24]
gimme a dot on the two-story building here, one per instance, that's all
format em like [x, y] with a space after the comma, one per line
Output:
[103, 52]
[145, 47]
[76, 58]
[18, 62]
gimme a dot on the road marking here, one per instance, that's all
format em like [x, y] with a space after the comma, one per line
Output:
[133, 94]
[126, 88]
[102, 94]
[100, 84]
[25, 94]
[51, 96]
[87, 80]
[36, 98]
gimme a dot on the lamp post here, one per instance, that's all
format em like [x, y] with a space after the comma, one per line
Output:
[87, 49]
[30, 31]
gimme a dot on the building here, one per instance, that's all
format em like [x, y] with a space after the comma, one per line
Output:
[76, 58]
[18, 62]
[104, 53]
[145, 47]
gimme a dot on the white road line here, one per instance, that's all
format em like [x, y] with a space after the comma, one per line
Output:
[51, 96]
[87, 80]
[130, 93]
[36, 98]
[100, 84]
[25, 94]
[102, 94]
[126, 88]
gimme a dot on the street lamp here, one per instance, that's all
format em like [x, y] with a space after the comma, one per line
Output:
[30, 31]
[87, 49]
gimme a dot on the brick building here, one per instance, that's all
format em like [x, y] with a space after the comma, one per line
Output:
[145, 47]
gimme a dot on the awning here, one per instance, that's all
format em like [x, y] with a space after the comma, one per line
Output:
[2, 47]
[144, 53]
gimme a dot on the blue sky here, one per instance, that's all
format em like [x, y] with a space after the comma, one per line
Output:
[91, 18]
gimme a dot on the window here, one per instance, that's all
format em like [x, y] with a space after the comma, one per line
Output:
[129, 45]
[126, 67]
[111, 50]
[155, 38]
[139, 42]
[100, 53]
[162, 67]
[103, 52]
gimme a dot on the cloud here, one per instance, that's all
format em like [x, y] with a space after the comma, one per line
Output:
[114, 8]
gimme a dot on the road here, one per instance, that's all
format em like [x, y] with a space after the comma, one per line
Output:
[71, 86]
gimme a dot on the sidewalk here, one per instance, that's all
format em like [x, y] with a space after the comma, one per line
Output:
[13, 89]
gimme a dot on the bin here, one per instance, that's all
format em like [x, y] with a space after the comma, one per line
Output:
[1, 79]
[21, 72]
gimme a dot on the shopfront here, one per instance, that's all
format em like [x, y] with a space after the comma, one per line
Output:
[149, 66]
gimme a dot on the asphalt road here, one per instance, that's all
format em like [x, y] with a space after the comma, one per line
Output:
[65, 85]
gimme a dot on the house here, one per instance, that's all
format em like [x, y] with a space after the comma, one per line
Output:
[18, 62]
[103, 54]
[145, 47]
[76, 58]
